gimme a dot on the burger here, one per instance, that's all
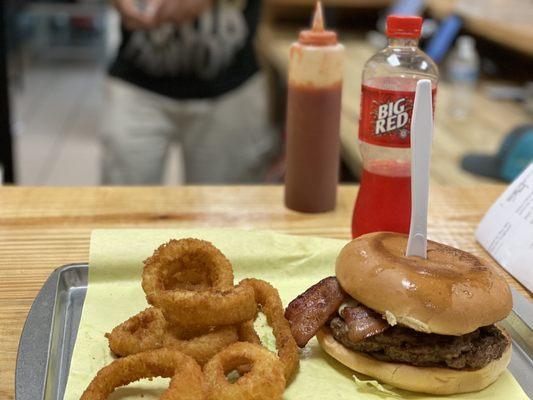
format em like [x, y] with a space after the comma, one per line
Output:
[425, 325]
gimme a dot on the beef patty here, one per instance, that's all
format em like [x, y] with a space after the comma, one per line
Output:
[398, 344]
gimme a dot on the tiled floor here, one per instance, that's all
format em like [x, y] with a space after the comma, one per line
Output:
[58, 115]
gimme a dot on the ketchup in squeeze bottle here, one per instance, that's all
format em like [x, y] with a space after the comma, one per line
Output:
[313, 119]
[388, 91]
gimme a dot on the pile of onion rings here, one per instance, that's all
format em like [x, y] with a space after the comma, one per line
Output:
[148, 330]
[197, 309]
[199, 316]
[217, 302]
[263, 379]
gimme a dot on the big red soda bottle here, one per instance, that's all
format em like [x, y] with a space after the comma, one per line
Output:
[388, 91]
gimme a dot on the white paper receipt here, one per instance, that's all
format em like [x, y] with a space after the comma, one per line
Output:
[506, 231]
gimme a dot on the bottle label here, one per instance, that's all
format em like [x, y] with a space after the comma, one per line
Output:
[385, 117]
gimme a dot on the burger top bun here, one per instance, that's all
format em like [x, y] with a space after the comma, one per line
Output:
[434, 380]
[452, 292]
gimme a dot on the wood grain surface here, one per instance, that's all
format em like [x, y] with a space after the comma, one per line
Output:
[507, 22]
[44, 228]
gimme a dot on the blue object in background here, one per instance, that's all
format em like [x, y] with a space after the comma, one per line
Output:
[515, 154]
[400, 7]
[406, 7]
[441, 42]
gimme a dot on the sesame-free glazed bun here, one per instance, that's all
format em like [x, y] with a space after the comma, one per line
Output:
[433, 380]
[452, 292]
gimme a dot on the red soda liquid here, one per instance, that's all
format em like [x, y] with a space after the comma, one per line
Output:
[384, 201]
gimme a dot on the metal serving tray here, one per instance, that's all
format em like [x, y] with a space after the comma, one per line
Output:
[50, 331]
[49, 334]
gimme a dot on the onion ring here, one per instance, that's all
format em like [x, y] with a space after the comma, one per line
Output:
[247, 333]
[196, 311]
[189, 264]
[187, 381]
[263, 381]
[270, 303]
[148, 330]
[166, 287]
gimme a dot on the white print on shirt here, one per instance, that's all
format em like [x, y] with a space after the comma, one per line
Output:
[391, 116]
[203, 48]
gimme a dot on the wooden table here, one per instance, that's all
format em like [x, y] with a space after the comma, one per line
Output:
[44, 228]
[481, 132]
[507, 22]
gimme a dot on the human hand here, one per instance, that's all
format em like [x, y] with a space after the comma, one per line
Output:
[135, 18]
[178, 11]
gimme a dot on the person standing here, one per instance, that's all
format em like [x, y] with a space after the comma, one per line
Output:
[186, 71]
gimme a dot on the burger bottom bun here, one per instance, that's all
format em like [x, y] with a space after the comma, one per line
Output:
[432, 380]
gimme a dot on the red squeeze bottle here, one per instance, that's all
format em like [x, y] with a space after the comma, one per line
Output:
[388, 90]
[313, 119]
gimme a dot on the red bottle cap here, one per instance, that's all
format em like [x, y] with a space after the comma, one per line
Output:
[404, 27]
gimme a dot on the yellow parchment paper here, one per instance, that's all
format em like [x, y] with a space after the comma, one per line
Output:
[290, 263]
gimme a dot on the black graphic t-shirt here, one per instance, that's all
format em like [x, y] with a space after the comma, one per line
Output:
[201, 59]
